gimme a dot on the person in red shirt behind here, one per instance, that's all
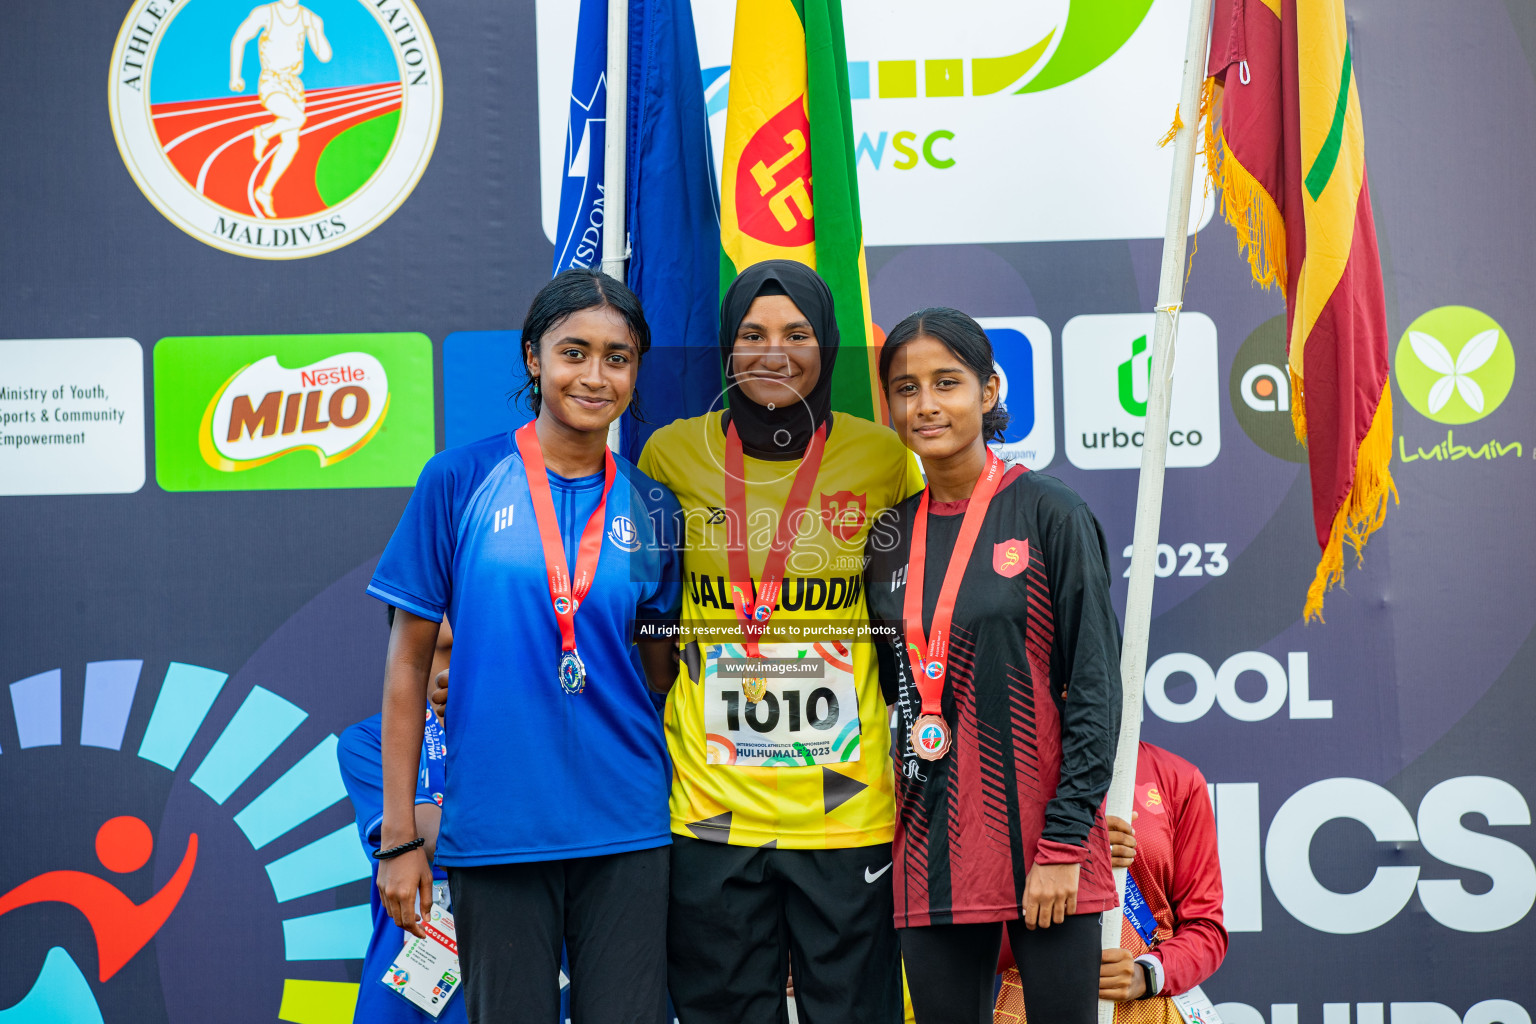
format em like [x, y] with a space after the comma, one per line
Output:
[1172, 857]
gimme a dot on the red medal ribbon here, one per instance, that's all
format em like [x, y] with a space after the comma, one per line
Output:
[929, 655]
[754, 620]
[562, 592]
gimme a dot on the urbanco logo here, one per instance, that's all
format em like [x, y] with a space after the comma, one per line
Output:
[1259, 389]
[1106, 363]
[1455, 365]
[275, 130]
[1026, 370]
[295, 411]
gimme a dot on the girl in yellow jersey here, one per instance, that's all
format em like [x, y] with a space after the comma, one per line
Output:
[781, 805]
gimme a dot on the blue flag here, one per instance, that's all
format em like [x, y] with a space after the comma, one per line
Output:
[674, 219]
[671, 203]
[579, 239]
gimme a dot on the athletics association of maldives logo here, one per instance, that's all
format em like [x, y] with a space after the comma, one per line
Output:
[275, 130]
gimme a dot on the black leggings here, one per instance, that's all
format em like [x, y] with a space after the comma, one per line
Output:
[951, 969]
[611, 913]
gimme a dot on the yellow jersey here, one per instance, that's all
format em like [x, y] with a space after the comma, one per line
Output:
[807, 765]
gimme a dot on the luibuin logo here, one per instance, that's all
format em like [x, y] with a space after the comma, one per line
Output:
[275, 130]
[1259, 389]
[1455, 365]
[345, 410]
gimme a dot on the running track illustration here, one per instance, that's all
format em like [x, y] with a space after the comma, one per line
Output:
[210, 142]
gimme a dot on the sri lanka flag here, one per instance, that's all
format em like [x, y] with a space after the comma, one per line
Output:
[1287, 148]
[788, 115]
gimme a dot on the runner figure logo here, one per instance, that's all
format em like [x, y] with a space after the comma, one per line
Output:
[930, 737]
[290, 148]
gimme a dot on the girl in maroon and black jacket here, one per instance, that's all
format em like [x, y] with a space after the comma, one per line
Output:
[1005, 672]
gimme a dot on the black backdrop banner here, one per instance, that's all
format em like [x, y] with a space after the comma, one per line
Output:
[243, 304]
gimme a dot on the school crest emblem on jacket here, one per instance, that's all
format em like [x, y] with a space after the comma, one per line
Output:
[1010, 557]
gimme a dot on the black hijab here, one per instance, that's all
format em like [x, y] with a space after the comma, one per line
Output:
[782, 433]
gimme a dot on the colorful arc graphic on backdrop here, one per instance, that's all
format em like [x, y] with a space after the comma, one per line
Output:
[1092, 32]
[308, 786]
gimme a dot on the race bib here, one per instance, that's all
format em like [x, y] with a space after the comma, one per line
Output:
[808, 714]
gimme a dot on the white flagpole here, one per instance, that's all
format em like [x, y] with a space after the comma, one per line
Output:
[1154, 452]
[615, 136]
[615, 140]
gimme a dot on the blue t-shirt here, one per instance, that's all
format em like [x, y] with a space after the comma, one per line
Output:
[362, 772]
[535, 773]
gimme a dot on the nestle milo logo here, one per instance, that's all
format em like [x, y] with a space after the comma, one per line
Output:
[293, 411]
[266, 410]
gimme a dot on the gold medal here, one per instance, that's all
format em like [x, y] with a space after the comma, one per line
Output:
[754, 688]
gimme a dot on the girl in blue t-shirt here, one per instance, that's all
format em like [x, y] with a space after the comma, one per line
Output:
[553, 562]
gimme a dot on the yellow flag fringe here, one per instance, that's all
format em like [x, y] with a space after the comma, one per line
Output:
[1173, 129]
[1363, 511]
[1244, 203]
[1298, 409]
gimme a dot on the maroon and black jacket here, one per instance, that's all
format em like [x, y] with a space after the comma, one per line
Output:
[1032, 697]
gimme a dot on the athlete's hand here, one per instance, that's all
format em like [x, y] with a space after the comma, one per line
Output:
[1050, 894]
[402, 881]
[439, 696]
[1120, 980]
[1122, 841]
[237, 84]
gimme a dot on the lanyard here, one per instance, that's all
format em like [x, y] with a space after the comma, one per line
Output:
[1138, 913]
[930, 654]
[754, 620]
[563, 595]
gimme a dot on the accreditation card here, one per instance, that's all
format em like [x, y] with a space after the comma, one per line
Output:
[1195, 1008]
[426, 971]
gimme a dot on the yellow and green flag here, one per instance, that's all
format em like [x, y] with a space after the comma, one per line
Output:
[788, 114]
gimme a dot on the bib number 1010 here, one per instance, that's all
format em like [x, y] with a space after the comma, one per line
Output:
[819, 710]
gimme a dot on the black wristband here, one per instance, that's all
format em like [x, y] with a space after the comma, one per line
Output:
[395, 851]
[1149, 979]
